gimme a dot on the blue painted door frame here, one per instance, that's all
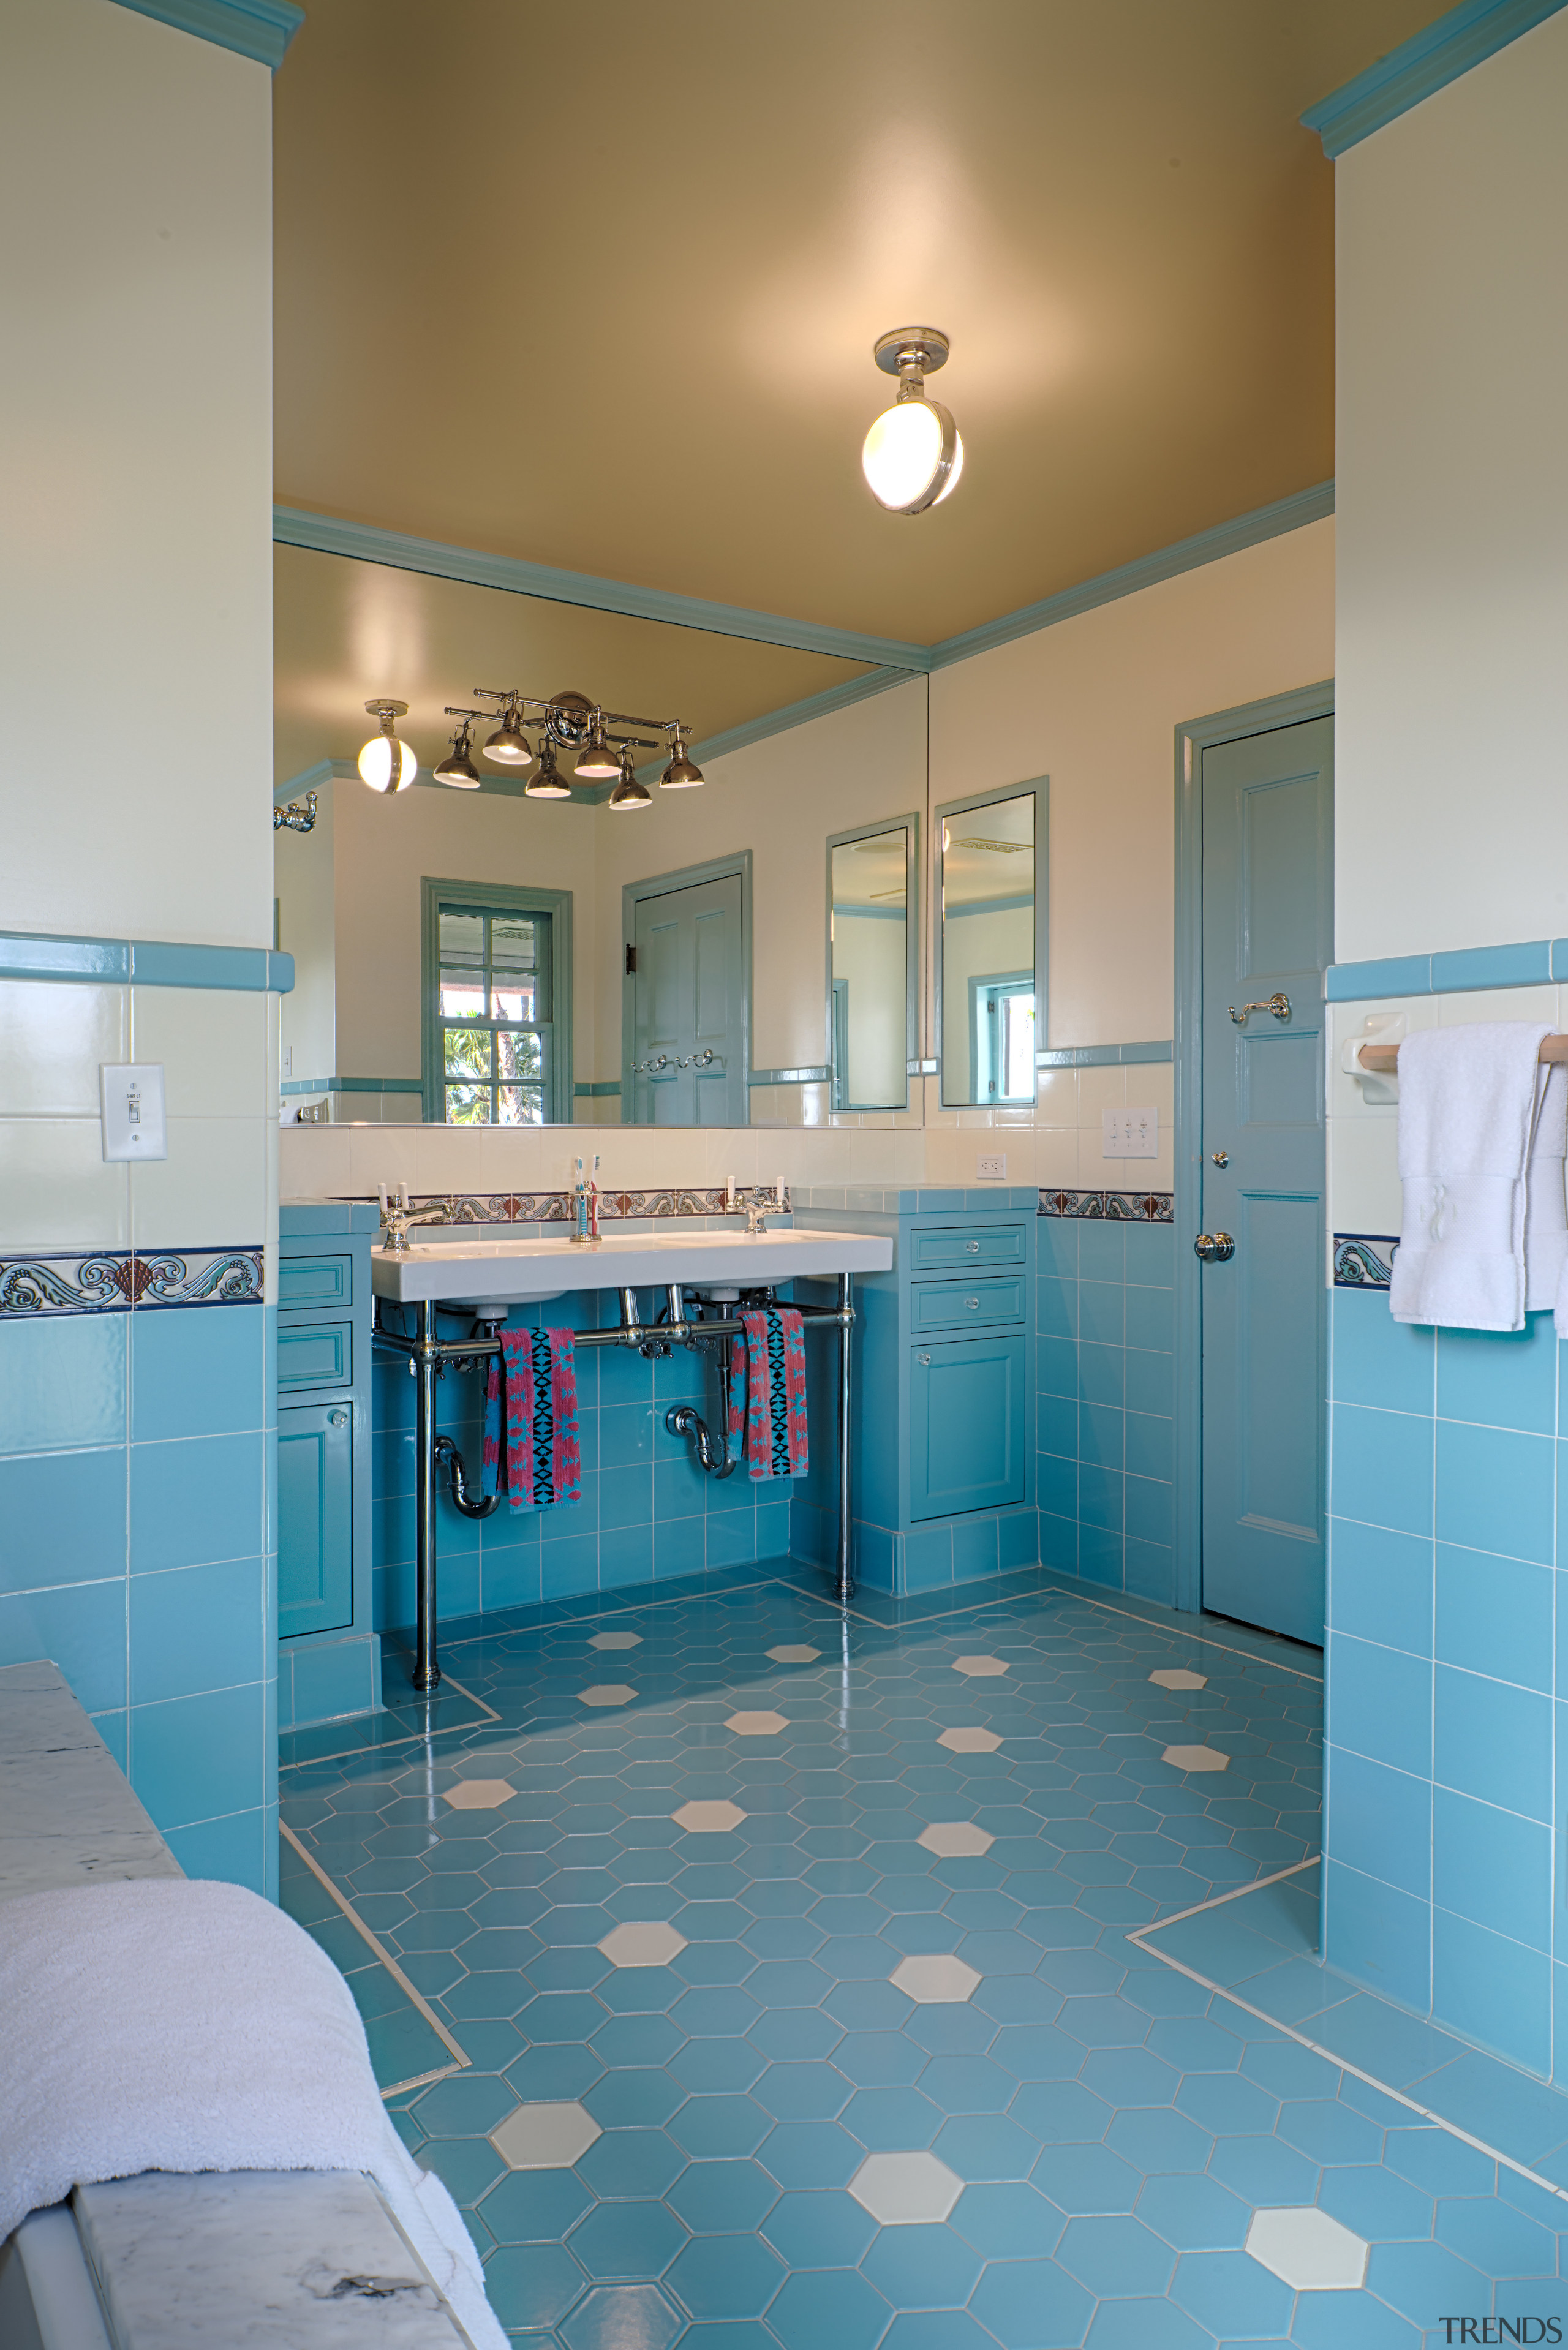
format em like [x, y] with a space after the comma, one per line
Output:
[1192, 740]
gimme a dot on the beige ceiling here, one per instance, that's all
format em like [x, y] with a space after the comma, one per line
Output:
[596, 285]
[345, 631]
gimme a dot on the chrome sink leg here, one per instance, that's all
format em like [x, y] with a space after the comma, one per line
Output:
[427, 1673]
[845, 1579]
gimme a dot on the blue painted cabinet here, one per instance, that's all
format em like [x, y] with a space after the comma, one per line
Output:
[966, 1426]
[315, 1519]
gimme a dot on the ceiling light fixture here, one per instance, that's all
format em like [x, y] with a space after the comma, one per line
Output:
[913, 454]
[509, 746]
[681, 775]
[597, 761]
[549, 784]
[629, 793]
[385, 763]
[457, 768]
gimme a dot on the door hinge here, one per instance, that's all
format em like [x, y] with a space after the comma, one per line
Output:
[630, 959]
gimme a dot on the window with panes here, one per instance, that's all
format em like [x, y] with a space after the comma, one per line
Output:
[493, 1016]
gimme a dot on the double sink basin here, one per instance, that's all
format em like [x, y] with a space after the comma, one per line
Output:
[474, 1274]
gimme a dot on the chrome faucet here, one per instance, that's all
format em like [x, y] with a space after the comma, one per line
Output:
[397, 1217]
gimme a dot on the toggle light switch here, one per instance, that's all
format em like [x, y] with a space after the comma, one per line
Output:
[1130, 1134]
[133, 1120]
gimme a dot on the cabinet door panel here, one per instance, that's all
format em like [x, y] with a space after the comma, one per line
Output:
[954, 1246]
[966, 1433]
[315, 1354]
[304, 1281]
[965, 1306]
[315, 1519]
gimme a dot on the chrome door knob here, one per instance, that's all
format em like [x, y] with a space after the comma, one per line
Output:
[1214, 1248]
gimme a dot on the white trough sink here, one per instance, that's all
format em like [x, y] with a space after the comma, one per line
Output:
[483, 1273]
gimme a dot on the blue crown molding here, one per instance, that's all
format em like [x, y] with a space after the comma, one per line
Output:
[1529, 962]
[260, 29]
[325, 534]
[1427, 62]
[779, 722]
[1187, 555]
[142, 962]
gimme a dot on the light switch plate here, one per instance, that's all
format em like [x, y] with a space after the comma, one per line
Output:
[1130, 1134]
[133, 1123]
[288, 1062]
[991, 1165]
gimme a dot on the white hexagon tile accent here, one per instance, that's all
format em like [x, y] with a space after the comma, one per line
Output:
[955, 1839]
[935, 1979]
[642, 1944]
[1307, 2249]
[616, 1640]
[970, 1741]
[978, 1667]
[799, 1654]
[906, 2191]
[1196, 1758]
[1177, 1677]
[479, 1794]
[545, 2137]
[756, 1725]
[708, 1818]
[607, 1693]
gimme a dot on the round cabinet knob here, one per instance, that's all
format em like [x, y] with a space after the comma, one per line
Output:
[974, 1247]
[1214, 1248]
[973, 1304]
[925, 1359]
[338, 1418]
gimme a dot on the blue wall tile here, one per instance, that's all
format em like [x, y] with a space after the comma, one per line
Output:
[1102, 1436]
[195, 1501]
[1380, 1704]
[1378, 1936]
[82, 1627]
[232, 1850]
[1056, 1421]
[1150, 1255]
[63, 1382]
[197, 1628]
[62, 1518]
[1380, 1584]
[1496, 1489]
[1380, 1822]
[1492, 1868]
[1102, 1372]
[197, 1371]
[1056, 1308]
[1491, 1739]
[1150, 1382]
[1495, 1616]
[1102, 1250]
[1492, 1990]
[1150, 1511]
[1102, 1314]
[1151, 1318]
[1149, 1570]
[1377, 1360]
[1506, 1379]
[199, 1758]
[1150, 1446]
[1381, 1468]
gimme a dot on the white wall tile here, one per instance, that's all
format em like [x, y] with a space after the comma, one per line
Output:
[1497, 1003]
[1056, 1096]
[314, 1162]
[55, 1192]
[53, 1037]
[1056, 1156]
[1364, 1193]
[1101, 1089]
[213, 1042]
[210, 1191]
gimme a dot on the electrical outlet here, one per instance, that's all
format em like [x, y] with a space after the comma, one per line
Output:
[1130, 1134]
[991, 1167]
[133, 1122]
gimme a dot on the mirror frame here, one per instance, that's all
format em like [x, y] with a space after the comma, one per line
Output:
[1040, 785]
[523, 899]
[910, 825]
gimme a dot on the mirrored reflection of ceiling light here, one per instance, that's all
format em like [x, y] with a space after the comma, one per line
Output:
[993, 848]
[913, 454]
[549, 784]
[597, 761]
[509, 746]
[681, 775]
[385, 763]
[457, 768]
[629, 793]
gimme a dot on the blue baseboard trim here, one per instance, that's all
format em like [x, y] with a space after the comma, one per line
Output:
[818, 1074]
[354, 1086]
[1102, 1057]
[261, 29]
[1187, 555]
[1426, 63]
[327, 534]
[143, 962]
[1532, 963]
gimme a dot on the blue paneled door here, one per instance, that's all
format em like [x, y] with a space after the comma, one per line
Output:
[689, 1040]
[315, 1518]
[1268, 913]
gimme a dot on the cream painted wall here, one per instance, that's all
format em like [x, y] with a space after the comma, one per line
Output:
[973, 945]
[871, 957]
[305, 884]
[1452, 749]
[1093, 703]
[135, 479]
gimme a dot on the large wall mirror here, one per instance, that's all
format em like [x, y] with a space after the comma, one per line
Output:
[990, 946]
[873, 928]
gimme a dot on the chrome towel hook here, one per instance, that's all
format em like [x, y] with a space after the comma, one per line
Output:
[1280, 1006]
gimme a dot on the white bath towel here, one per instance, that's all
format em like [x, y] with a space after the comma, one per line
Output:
[167, 2025]
[1467, 1101]
[1545, 1221]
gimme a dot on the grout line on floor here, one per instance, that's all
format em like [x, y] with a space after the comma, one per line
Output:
[418, 2081]
[390, 1745]
[384, 1955]
[1217, 1900]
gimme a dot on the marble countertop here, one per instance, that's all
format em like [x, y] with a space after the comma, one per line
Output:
[66, 1813]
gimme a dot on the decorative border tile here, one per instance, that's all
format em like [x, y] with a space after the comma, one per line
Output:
[1111, 1207]
[1364, 1260]
[102, 1281]
[555, 1207]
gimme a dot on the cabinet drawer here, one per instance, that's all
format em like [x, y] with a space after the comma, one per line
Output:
[315, 1280]
[315, 1519]
[966, 1426]
[954, 1246]
[315, 1354]
[966, 1304]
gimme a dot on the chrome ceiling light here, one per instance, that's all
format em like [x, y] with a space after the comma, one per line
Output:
[549, 784]
[509, 746]
[385, 763]
[457, 768]
[597, 761]
[913, 454]
[681, 775]
[629, 793]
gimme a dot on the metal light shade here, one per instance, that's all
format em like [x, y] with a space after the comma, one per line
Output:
[509, 746]
[681, 775]
[549, 784]
[597, 763]
[629, 793]
[913, 456]
[457, 768]
[387, 764]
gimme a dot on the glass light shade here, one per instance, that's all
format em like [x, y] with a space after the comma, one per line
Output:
[681, 775]
[509, 746]
[913, 456]
[387, 764]
[629, 793]
[458, 770]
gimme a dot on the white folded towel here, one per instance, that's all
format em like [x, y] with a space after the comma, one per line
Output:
[168, 2025]
[1468, 1104]
[1546, 1222]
